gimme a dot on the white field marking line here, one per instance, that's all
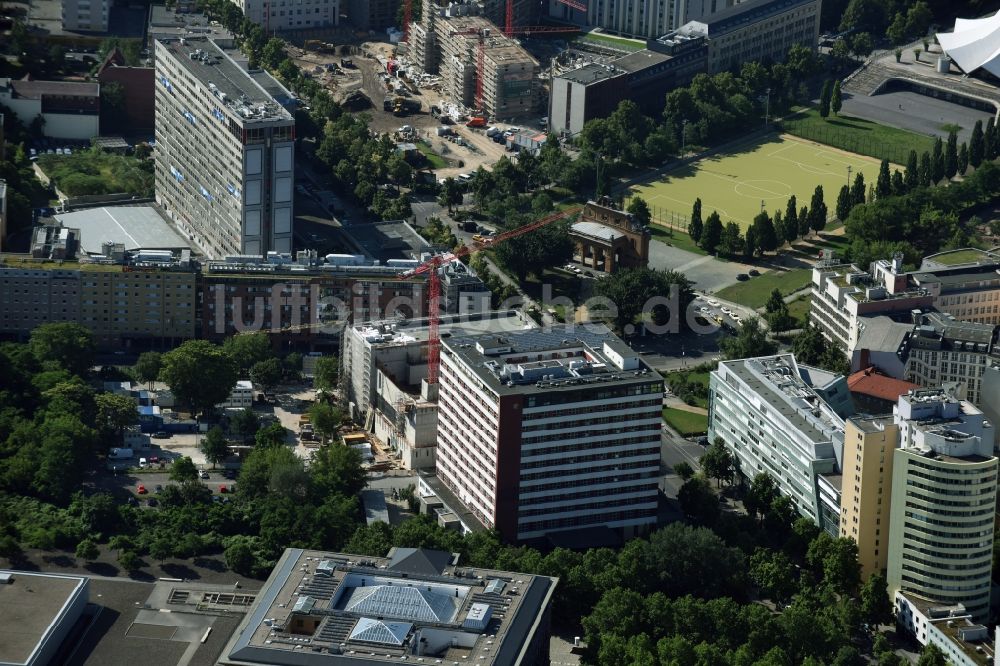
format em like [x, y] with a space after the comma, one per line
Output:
[746, 183]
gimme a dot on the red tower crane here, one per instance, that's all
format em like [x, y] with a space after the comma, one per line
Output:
[433, 265]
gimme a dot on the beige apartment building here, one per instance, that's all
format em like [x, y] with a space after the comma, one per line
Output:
[869, 443]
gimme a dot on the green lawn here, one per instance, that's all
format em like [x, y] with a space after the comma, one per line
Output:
[685, 423]
[675, 380]
[93, 171]
[769, 170]
[858, 136]
[614, 42]
[956, 257]
[678, 239]
[754, 292]
[433, 159]
[799, 309]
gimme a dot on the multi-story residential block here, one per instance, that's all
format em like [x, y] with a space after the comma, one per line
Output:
[776, 417]
[384, 364]
[284, 15]
[944, 490]
[138, 298]
[548, 431]
[866, 495]
[945, 351]
[85, 15]
[224, 150]
[962, 640]
[69, 109]
[417, 605]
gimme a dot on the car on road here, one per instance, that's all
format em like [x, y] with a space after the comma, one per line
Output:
[726, 310]
[229, 474]
[160, 434]
[154, 459]
[223, 489]
[132, 501]
[704, 309]
[714, 304]
[203, 474]
[140, 489]
[158, 489]
[753, 272]
[742, 277]
[735, 317]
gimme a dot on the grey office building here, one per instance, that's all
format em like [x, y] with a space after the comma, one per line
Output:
[224, 150]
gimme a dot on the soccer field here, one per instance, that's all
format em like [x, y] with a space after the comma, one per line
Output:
[735, 183]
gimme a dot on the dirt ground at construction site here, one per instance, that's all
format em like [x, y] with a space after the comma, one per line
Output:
[463, 150]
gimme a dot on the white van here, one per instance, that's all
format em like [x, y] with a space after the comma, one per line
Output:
[143, 463]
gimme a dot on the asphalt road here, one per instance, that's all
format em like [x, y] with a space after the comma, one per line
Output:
[914, 112]
[708, 273]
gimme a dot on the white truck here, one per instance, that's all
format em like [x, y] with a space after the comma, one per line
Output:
[120, 454]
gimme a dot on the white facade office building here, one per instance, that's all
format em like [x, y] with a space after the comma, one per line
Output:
[944, 489]
[771, 417]
[284, 15]
[224, 154]
[549, 431]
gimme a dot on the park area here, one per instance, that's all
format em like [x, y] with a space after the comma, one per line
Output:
[770, 171]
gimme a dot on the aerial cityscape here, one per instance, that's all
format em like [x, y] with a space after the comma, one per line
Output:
[507, 333]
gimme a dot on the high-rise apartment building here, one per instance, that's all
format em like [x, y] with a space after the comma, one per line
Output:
[866, 496]
[282, 15]
[548, 431]
[224, 151]
[85, 15]
[776, 417]
[944, 490]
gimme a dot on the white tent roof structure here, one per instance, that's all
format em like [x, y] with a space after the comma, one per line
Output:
[974, 44]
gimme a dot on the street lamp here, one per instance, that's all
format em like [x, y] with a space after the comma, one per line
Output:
[767, 107]
[848, 175]
[684, 136]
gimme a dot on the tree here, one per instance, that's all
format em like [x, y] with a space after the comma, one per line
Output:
[912, 174]
[991, 146]
[247, 349]
[937, 161]
[160, 549]
[267, 374]
[767, 238]
[148, 366]
[976, 148]
[732, 240]
[844, 203]
[115, 413]
[791, 220]
[931, 655]
[876, 605]
[751, 242]
[817, 210]
[684, 470]
[271, 436]
[87, 550]
[183, 469]
[451, 193]
[239, 555]
[926, 171]
[776, 312]
[824, 99]
[803, 220]
[836, 559]
[698, 501]
[883, 186]
[273, 53]
[711, 234]
[640, 211]
[337, 469]
[951, 156]
[858, 190]
[963, 158]
[531, 253]
[63, 345]
[750, 341]
[773, 574]
[244, 424]
[214, 446]
[325, 419]
[861, 45]
[129, 561]
[200, 374]
[631, 289]
[835, 99]
[695, 225]
[717, 462]
[327, 373]
[762, 493]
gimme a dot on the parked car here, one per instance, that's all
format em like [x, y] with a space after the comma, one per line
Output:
[160, 434]
[229, 474]
[203, 474]
[152, 501]
[158, 489]
[754, 272]
[742, 277]
[140, 489]
[223, 489]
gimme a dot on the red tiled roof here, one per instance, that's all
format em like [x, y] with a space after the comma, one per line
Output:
[872, 383]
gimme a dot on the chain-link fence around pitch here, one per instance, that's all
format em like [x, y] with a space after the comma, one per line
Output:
[851, 140]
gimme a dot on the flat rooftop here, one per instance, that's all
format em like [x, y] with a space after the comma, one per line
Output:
[135, 227]
[165, 22]
[396, 332]
[640, 60]
[212, 66]
[30, 608]
[550, 359]
[393, 239]
[39, 89]
[332, 609]
[871, 424]
[590, 74]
